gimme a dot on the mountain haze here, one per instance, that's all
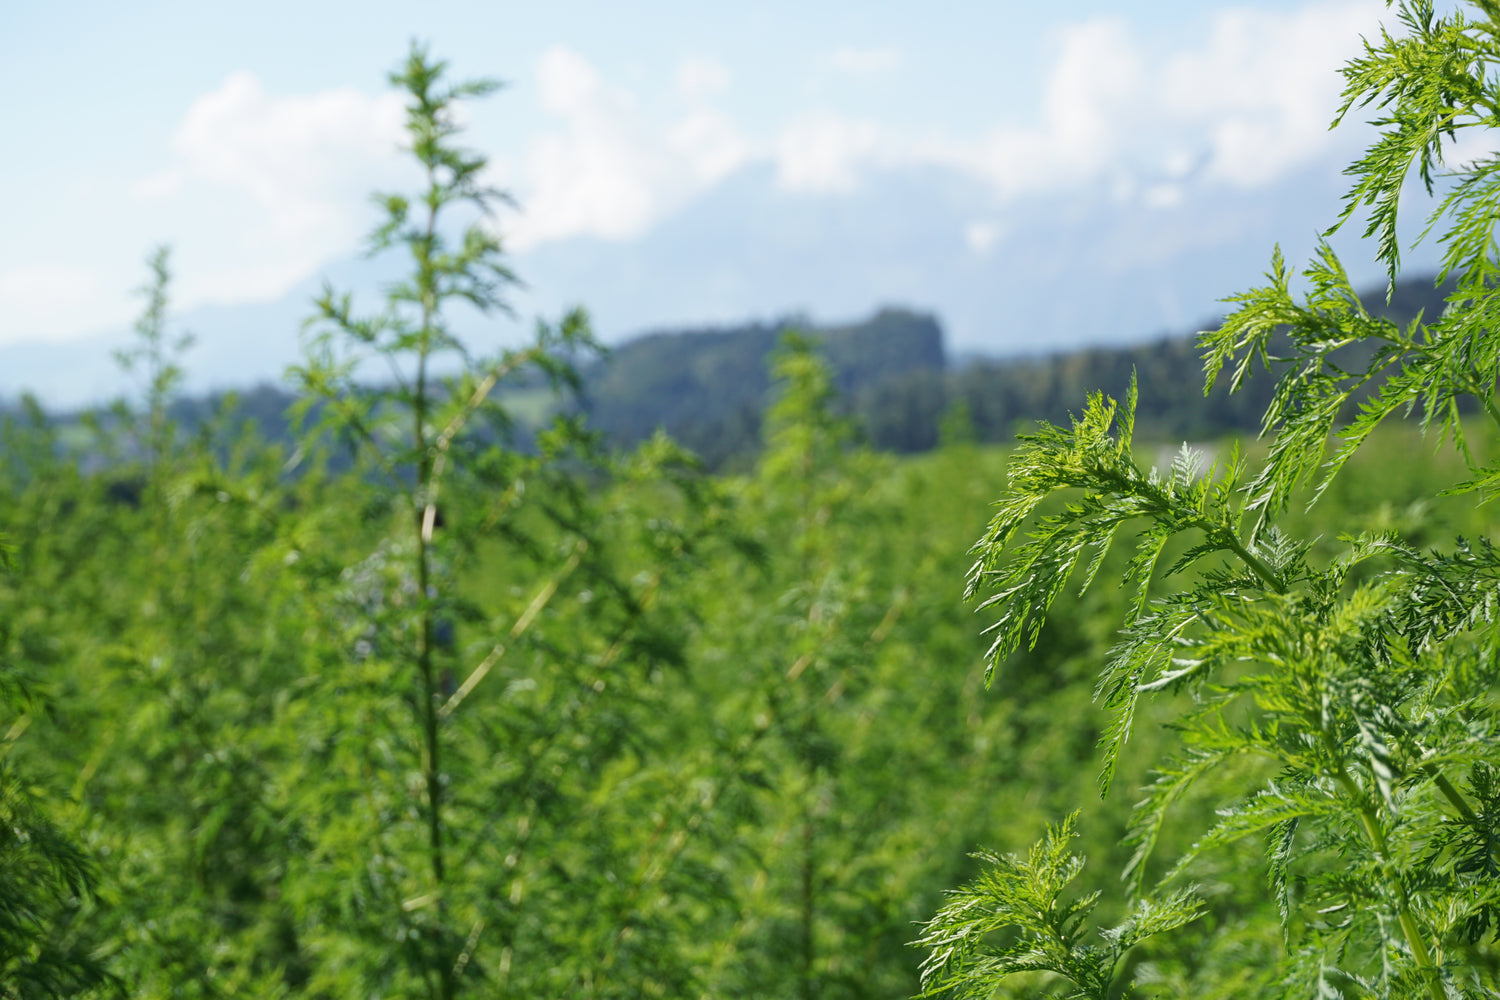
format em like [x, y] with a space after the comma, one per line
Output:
[1112, 264]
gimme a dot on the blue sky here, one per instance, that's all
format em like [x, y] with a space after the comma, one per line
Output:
[668, 132]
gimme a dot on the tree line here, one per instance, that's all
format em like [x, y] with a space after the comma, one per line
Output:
[709, 389]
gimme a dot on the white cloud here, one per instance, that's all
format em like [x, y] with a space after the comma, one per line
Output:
[567, 82]
[864, 62]
[294, 155]
[1087, 117]
[710, 145]
[1265, 85]
[305, 164]
[701, 79]
[1088, 114]
[1471, 146]
[1089, 95]
[608, 172]
[1084, 119]
[820, 154]
[1244, 104]
[1249, 103]
[600, 175]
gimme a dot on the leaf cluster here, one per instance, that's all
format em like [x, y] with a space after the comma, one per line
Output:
[1330, 700]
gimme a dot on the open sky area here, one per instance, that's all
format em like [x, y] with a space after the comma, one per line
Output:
[679, 163]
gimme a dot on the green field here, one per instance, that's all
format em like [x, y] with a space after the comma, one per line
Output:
[736, 745]
[423, 700]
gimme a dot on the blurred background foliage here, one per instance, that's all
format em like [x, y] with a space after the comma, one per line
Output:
[734, 742]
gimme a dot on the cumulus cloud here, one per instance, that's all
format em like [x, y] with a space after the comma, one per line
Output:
[566, 82]
[1245, 105]
[709, 144]
[1470, 147]
[1084, 119]
[305, 163]
[1264, 86]
[595, 177]
[821, 154]
[1241, 105]
[608, 171]
[1162, 195]
[1085, 114]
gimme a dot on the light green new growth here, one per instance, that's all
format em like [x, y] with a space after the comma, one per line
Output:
[1028, 896]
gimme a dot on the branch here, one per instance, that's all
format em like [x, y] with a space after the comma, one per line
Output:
[516, 631]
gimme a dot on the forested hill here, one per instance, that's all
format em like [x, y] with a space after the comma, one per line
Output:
[709, 388]
[1002, 396]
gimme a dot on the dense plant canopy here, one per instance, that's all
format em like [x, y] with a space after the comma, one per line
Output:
[430, 700]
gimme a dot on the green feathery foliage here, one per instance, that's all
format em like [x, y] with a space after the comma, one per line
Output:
[1027, 896]
[47, 879]
[1341, 710]
[154, 359]
[457, 745]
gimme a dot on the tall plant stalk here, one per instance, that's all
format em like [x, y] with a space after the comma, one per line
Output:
[447, 233]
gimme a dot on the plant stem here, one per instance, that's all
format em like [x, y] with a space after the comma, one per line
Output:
[1256, 564]
[1453, 795]
[1415, 939]
[809, 862]
[432, 748]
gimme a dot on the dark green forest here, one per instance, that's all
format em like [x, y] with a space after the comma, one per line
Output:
[777, 662]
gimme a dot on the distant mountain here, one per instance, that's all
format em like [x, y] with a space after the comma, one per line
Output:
[1107, 264]
[708, 388]
[1103, 265]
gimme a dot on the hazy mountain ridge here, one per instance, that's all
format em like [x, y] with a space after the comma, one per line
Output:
[1102, 264]
[708, 387]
